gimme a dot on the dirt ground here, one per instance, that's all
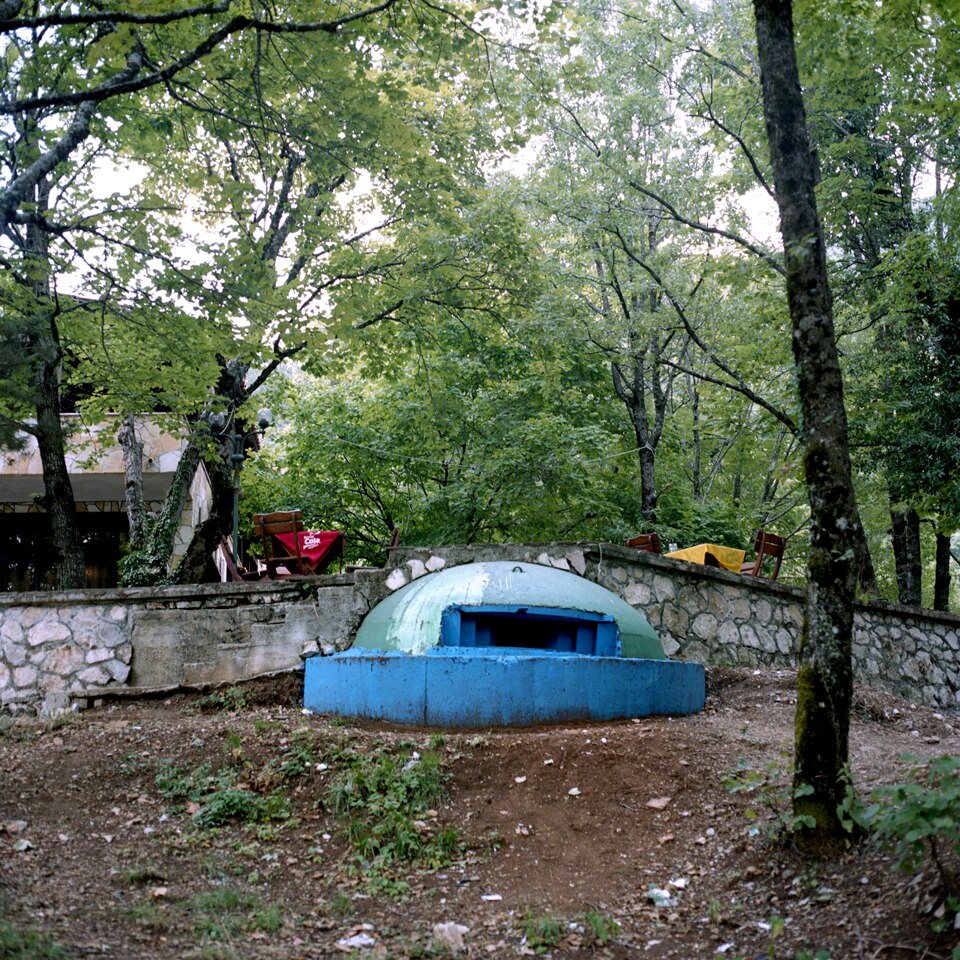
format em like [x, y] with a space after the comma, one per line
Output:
[608, 839]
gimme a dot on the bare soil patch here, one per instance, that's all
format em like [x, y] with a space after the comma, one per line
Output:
[565, 834]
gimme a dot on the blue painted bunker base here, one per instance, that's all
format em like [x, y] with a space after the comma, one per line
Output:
[480, 687]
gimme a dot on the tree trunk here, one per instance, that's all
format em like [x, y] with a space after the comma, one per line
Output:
[633, 396]
[44, 347]
[195, 566]
[941, 581]
[825, 675]
[906, 554]
[133, 473]
[58, 499]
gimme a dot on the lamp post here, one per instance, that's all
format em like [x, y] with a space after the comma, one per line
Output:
[238, 440]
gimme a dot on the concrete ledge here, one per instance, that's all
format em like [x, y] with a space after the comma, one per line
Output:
[516, 689]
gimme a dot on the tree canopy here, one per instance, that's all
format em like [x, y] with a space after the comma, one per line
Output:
[587, 341]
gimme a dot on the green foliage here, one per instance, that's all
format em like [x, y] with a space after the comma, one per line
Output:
[388, 799]
[598, 928]
[219, 917]
[218, 795]
[542, 931]
[24, 944]
[230, 700]
[226, 913]
[920, 818]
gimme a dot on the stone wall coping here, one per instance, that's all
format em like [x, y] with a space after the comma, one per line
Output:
[285, 588]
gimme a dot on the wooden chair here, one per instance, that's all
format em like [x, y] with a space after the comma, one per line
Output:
[650, 542]
[765, 545]
[276, 555]
[238, 574]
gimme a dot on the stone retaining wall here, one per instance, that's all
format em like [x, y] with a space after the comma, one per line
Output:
[55, 647]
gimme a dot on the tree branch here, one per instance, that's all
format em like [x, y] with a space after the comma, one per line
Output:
[237, 24]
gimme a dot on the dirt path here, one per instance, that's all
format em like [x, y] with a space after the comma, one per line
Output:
[618, 839]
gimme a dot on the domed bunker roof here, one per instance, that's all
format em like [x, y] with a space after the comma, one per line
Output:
[507, 604]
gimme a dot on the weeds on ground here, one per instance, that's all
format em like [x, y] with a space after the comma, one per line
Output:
[920, 819]
[598, 928]
[218, 795]
[221, 916]
[230, 700]
[387, 799]
[18, 944]
[544, 931]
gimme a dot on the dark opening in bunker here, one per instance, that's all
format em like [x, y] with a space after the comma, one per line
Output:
[536, 628]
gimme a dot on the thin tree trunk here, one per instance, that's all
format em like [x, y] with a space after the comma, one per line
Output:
[906, 554]
[633, 396]
[58, 499]
[195, 566]
[941, 581]
[133, 473]
[825, 675]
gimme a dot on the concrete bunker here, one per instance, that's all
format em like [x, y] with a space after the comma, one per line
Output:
[502, 643]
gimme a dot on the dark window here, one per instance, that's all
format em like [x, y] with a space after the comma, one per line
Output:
[531, 628]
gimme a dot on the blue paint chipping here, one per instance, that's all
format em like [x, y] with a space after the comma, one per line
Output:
[503, 644]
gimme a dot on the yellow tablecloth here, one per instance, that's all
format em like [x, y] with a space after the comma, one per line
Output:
[728, 557]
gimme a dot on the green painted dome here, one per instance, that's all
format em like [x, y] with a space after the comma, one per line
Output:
[409, 620]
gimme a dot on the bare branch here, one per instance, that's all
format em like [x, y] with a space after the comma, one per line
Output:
[10, 8]
[738, 385]
[766, 257]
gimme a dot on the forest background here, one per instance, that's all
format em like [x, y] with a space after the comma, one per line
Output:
[501, 272]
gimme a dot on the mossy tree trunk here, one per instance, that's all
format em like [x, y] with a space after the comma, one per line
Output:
[825, 676]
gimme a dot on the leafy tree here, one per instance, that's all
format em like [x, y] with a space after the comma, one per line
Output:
[209, 82]
[476, 424]
[631, 196]
[881, 133]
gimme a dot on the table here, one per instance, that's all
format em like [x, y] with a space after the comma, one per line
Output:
[730, 558]
[318, 548]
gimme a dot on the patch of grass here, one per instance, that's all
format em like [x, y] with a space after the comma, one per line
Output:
[17, 944]
[228, 912]
[140, 873]
[770, 786]
[219, 917]
[340, 904]
[230, 700]
[542, 931]
[387, 799]
[301, 755]
[234, 804]
[151, 914]
[220, 797]
[598, 928]
[545, 931]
